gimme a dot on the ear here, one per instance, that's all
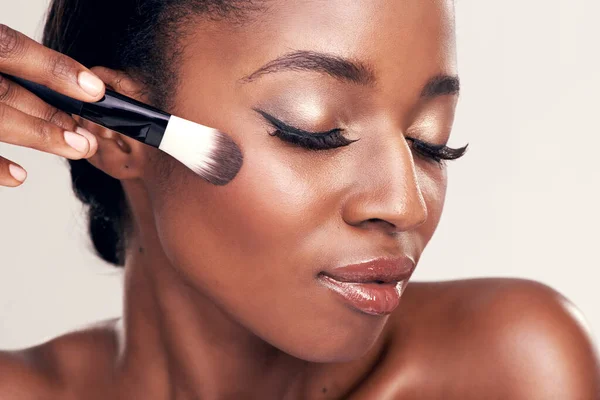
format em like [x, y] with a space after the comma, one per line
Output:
[118, 155]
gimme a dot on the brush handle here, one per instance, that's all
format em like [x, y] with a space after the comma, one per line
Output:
[114, 111]
[67, 104]
[128, 116]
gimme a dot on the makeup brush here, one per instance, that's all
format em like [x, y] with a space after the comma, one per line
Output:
[211, 154]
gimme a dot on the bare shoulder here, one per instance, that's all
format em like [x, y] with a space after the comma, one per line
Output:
[58, 368]
[494, 338]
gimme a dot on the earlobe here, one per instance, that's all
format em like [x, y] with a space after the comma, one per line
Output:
[118, 155]
[115, 156]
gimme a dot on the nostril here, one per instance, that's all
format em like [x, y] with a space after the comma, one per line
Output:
[379, 221]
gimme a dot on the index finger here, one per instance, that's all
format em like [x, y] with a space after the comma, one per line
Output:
[24, 57]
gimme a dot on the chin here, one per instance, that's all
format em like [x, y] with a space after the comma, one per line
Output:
[336, 353]
[335, 343]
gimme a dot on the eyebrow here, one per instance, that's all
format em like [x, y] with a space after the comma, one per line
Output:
[346, 70]
[302, 60]
[441, 85]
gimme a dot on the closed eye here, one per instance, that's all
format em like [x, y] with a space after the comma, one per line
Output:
[436, 152]
[334, 138]
[309, 140]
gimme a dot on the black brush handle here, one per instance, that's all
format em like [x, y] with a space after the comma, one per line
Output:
[60, 101]
[114, 111]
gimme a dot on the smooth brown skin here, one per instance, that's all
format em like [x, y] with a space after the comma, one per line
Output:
[221, 296]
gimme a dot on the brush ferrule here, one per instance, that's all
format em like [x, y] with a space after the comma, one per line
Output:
[128, 117]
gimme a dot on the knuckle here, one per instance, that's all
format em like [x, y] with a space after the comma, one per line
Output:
[3, 109]
[60, 67]
[53, 115]
[5, 89]
[10, 42]
[43, 132]
[57, 117]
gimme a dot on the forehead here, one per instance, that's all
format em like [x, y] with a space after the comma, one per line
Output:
[369, 28]
[403, 40]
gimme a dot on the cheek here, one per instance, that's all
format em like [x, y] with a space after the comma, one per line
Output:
[257, 220]
[251, 246]
[433, 183]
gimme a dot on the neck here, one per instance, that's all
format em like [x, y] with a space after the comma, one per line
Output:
[177, 344]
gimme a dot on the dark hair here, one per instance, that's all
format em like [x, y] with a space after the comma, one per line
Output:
[142, 38]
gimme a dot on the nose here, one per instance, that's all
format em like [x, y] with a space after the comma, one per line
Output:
[386, 194]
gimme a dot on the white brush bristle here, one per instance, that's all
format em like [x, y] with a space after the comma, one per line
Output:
[208, 152]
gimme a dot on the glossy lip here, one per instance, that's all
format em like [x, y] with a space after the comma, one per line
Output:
[385, 270]
[373, 287]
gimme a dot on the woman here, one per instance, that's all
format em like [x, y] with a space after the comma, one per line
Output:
[246, 291]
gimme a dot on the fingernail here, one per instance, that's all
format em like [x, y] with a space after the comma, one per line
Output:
[17, 172]
[91, 84]
[88, 135]
[77, 142]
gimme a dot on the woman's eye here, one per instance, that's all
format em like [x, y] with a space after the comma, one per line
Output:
[309, 140]
[334, 138]
[436, 152]
[314, 141]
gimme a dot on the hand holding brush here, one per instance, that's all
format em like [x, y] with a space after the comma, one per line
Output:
[34, 95]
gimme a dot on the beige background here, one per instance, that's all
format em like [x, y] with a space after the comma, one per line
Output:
[523, 203]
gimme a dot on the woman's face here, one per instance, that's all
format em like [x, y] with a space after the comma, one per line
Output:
[256, 247]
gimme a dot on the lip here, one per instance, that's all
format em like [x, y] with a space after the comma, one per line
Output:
[373, 287]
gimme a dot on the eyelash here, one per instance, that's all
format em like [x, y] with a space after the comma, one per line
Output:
[334, 138]
[314, 141]
[438, 153]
